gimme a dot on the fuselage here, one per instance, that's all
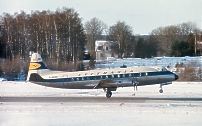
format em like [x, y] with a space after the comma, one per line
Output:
[119, 77]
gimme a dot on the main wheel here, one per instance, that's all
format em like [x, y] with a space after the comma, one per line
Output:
[109, 94]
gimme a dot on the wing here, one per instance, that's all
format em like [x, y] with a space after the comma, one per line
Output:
[107, 83]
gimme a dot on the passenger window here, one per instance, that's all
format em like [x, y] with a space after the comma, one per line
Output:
[126, 75]
[69, 79]
[85, 78]
[98, 77]
[91, 77]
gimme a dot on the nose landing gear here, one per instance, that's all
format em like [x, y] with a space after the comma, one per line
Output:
[160, 90]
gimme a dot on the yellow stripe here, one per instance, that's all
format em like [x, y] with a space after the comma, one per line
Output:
[34, 66]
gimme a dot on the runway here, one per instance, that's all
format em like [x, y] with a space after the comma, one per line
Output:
[101, 99]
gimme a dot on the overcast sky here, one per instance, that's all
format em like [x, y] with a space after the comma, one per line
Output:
[142, 15]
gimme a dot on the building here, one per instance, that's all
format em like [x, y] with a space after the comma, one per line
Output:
[103, 50]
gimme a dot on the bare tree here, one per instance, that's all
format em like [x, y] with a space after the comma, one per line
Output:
[122, 34]
[93, 28]
[58, 36]
[166, 36]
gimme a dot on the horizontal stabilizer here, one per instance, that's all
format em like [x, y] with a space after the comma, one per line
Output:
[35, 77]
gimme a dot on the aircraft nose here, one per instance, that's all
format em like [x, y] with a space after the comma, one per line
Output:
[176, 77]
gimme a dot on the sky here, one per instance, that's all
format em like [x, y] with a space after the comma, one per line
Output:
[142, 15]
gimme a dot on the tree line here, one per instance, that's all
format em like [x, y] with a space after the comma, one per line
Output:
[55, 35]
[173, 40]
[61, 38]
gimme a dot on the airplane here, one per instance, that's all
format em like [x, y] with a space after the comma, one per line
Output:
[107, 79]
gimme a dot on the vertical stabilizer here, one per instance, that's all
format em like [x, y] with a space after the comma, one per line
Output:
[36, 64]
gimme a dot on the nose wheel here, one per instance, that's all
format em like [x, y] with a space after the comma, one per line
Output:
[160, 90]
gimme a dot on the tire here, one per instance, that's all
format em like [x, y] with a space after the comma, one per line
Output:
[160, 91]
[109, 94]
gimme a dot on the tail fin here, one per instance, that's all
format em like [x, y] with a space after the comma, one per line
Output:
[36, 64]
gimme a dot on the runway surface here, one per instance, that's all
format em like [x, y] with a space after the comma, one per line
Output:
[100, 99]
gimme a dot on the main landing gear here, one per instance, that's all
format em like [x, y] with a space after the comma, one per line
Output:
[108, 94]
[160, 90]
[109, 91]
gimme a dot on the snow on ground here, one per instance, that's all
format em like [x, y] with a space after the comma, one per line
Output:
[177, 89]
[99, 114]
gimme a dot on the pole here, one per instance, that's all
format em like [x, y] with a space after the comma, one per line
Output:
[195, 46]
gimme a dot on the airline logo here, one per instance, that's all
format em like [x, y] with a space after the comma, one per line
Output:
[34, 66]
